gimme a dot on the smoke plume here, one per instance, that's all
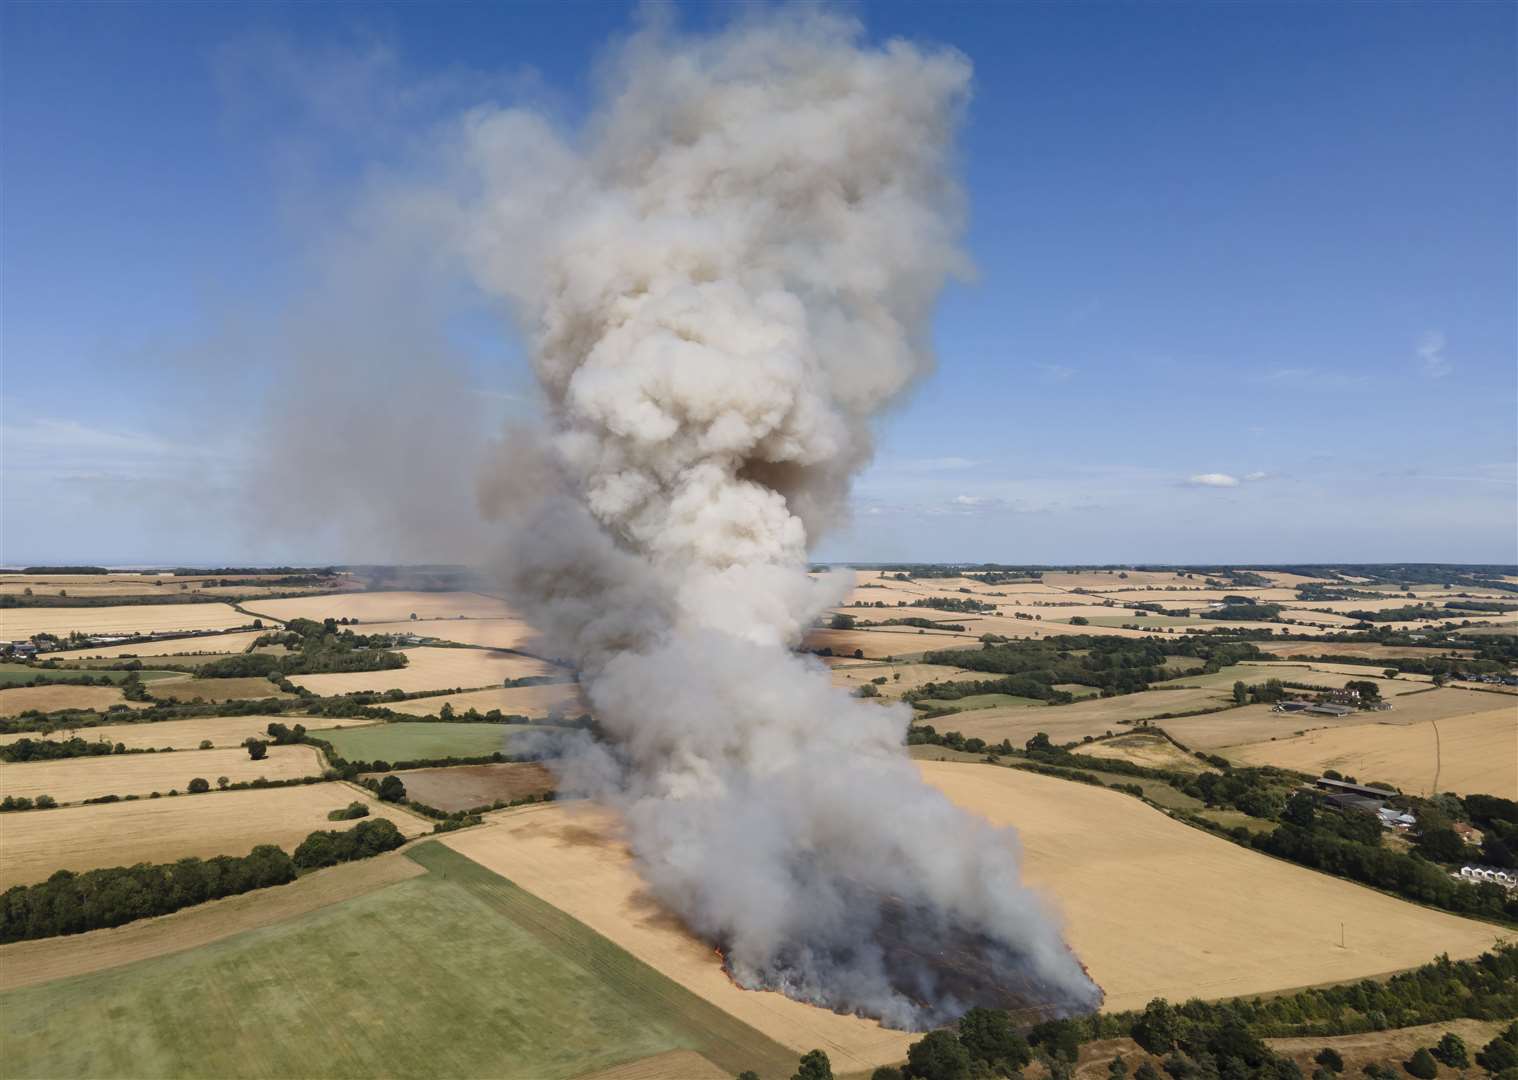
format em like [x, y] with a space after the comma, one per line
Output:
[725, 275]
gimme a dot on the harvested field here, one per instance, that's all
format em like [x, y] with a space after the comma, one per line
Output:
[463, 787]
[1315, 674]
[36, 843]
[1467, 754]
[887, 641]
[255, 688]
[568, 855]
[20, 699]
[1391, 1047]
[385, 606]
[17, 623]
[1110, 863]
[404, 740]
[562, 1001]
[27, 963]
[1073, 722]
[210, 644]
[853, 674]
[178, 734]
[492, 633]
[553, 699]
[24, 674]
[74, 779]
[434, 668]
[981, 701]
[1150, 751]
[685, 1064]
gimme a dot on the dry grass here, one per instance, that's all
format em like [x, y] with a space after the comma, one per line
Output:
[19, 699]
[434, 668]
[1470, 753]
[670, 1065]
[35, 843]
[1149, 750]
[385, 606]
[851, 676]
[887, 641]
[1369, 650]
[178, 734]
[1385, 1047]
[567, 854]
[213, 644]
[26, 963]
[554, 699]
[491, 633]
[1070, 723]
[17, 623]
[463, 787]
[73, 779]
[252, 687]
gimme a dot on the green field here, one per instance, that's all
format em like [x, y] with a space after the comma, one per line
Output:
[406, 741]
[456, 973]
[22, 675]
[979, 701]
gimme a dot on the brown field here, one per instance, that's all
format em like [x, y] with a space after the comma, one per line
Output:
[1109, 862]
[491, 633]
[19, 699]
[553, 699]
[26, 963]
[852, 675]
[72, 779]
[178, 734]
[385, 606]
[434, 668]
[251, 687]
[35, 843]
[215, 644]
[1071, 723]
[463, 787]
[17, 623]
[672, 1064]
[1470, 753]
[1150, 751]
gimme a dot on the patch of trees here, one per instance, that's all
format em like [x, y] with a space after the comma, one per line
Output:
[1406, 613]
[920, 623]
[13, 803]
[353, 810]
[65, 570]
[330, 847]
[1017, 685]
[317, 648]
[54, 749]
[1245, 612]
[961, 604]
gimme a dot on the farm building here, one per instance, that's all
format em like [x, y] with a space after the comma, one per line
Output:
[1400, 820]
[1489, 875]
[1344, 787]
[1328, 708]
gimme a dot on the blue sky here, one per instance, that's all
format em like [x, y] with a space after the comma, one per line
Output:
[1246, 277]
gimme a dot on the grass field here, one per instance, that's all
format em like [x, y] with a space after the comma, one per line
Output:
[252, 687]
[18, 623]
[513, 989]
[554, 699]
[1149, 750]
[407, 741]
[982, 701]
[20, 699]
[177, 734]
[385, 607]
[73, 779]
[434, 668]
[1069, 723]
[35, 843]
[463, 787]
[212, 644]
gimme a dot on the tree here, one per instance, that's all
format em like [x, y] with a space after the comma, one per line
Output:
[1159, 1028]
[886, 1072]
[1117, 1068]
[746, 1074]
[206, 744]
[222, 782]
[840, 621]
[1300, 811]
[1146, 1071]
[257, 748]
[938, 1055]
[413, 616]
[1441, 844]
[1330, 1059]
[867, 690]
[45, 802]
[988, 1035]
[1451, 1051]
[198, 785]
[1422, 1064]
[1040, 741]
[814, 1066]
[1079, 620]
[1368, 691]
[391, 789]
[1240, 693]
[1390, 673]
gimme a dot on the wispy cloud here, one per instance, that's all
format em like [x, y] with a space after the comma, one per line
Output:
[1213, 480]
[1257, 476]
[1431, 356]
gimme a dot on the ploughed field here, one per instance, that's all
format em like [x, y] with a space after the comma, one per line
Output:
[35, 843]
[464, 787]
[405, 740]
[74, 779]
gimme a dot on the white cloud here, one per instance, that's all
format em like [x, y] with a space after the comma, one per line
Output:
[1257, 476]
[1431, 355]
[1213, 479]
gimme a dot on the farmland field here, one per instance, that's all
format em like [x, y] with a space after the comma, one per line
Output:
[1471, 753]
[17, 623]
[178, 734]
[1149, 750]
[408, 741]
[562, 1001]
[553, 699]
[369, 607]
[235, 642]
[463, 787]
[434, 668]
[35, 843]
[22, 674]
[20, 699]
[1094, 716]
[254, 687]
[855, 673]
[72, 779]
[982, 701]
[509, 633]
[888, 641]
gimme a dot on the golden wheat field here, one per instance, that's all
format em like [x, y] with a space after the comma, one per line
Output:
[35, 843]
[1467, 753]
[73, 779]
[235, 642]
[385, 606]
[434, 668]
[852, 675]
[176, 734]
[554, 699]
[18, 623]
[1069, 723]
[20, 699]
[492, 633]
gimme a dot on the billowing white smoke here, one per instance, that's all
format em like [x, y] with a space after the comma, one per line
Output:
[725, 277]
